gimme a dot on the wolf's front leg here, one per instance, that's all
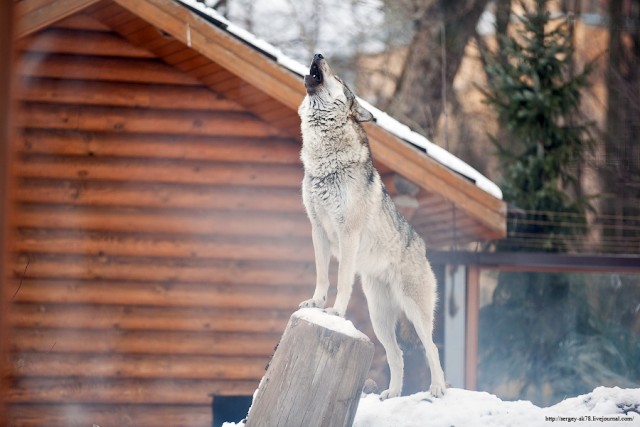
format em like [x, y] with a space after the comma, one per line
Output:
[346, 274]
[322, 252]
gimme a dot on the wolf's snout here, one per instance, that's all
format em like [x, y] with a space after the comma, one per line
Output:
[316, 73]
[315, 77]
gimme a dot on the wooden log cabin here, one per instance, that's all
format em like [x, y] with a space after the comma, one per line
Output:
[157, 242]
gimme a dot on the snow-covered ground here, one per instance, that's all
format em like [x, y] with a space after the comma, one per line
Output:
[461, 408]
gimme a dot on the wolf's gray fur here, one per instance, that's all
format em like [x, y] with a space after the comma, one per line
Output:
[353, 218]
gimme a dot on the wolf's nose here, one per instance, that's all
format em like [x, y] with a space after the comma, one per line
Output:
[318, 56]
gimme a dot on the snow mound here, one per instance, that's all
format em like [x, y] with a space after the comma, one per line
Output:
[462, 408]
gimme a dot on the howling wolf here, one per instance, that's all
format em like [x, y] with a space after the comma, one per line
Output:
[353, 218]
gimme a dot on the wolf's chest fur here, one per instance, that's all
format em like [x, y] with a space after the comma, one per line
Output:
[331, 147]
[335, 157]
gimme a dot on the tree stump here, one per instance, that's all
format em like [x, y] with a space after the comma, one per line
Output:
[316, 375]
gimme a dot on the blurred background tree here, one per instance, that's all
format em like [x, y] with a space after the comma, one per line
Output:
[544, 333]
[536, 94]
[441, 31]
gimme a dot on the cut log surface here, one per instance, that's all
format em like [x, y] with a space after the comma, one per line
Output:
[316, 375]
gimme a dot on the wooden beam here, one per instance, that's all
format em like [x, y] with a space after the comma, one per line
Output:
[134, 120]
[78, 42]
[542, 262]
[78, 192]
[124, 94]
[34, 414]
[81, 21]
[120, 391]
[143, 342]
[33, 15]
[6, 133]
[134, 70]
[163, 172]
[442, 224]
[109, 367]
[137, 317]
[473, 310]
[295, 249]
[220, 148]
[166, 223]
[212, 295]
[88, 274]
[454, 324]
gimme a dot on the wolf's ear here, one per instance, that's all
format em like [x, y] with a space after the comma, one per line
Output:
[361, 114]
[358, 113]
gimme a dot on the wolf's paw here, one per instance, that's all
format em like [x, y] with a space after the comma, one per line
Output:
[437, 389]
[333, 311]
[388, 394]
[312, 303]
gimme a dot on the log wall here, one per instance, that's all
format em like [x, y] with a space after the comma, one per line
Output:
[159, 242]
[6, 131]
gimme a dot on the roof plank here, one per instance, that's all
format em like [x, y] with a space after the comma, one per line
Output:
[33, 15]
[81, 21]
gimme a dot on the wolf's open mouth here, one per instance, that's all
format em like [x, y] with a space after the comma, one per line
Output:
[316, 73]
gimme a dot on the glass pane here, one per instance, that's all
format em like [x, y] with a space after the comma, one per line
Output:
[547, 336]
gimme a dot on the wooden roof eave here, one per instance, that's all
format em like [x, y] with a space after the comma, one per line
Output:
[284, 86]
[416, 166]
[33, 15]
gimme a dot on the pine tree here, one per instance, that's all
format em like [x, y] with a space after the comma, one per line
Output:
[536, 96]
[540, 323]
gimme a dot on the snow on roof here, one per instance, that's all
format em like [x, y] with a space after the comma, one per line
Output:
[462, 408]
[383, 120]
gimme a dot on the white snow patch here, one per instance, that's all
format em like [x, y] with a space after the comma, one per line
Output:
[462, 408]
[382, 119]
[331, 322]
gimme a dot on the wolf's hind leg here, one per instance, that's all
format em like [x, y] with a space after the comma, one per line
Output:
[384, 317]
[419, 307]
